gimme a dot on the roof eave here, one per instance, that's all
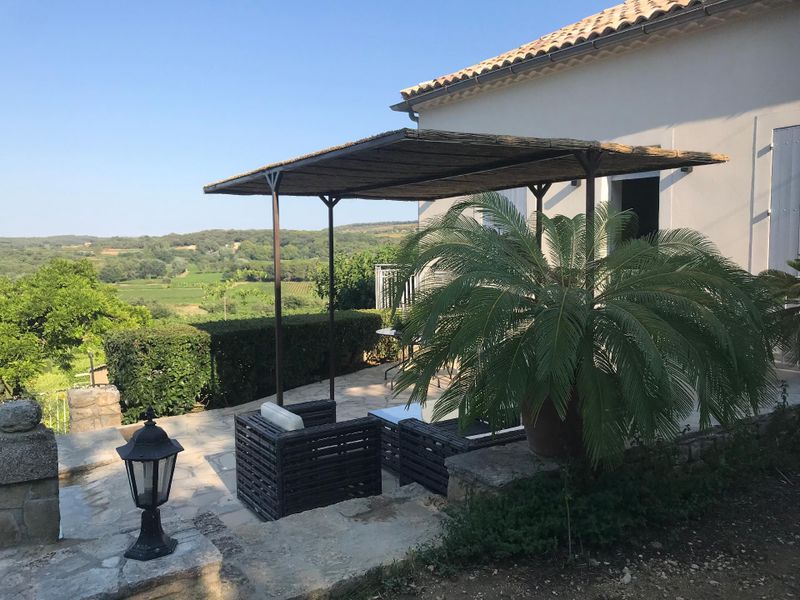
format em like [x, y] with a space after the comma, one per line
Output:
[669, 20]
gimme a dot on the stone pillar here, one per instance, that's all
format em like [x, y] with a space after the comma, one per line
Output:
[29, 511]
[93, 408]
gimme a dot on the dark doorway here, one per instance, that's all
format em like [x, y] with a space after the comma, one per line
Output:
[641, 197]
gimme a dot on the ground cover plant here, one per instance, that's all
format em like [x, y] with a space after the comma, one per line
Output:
[569, 517]
[582, 507]
[595, 337]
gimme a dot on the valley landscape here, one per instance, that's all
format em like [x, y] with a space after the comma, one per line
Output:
[195, 275]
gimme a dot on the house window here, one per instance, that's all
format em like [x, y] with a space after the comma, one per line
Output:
[640, 195]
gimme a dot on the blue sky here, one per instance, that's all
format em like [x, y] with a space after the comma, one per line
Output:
[114, 114]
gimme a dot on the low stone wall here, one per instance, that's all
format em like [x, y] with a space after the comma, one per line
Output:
[29, 509]
[692, 446]
[489, 470]
[93, 408]
[97, 570]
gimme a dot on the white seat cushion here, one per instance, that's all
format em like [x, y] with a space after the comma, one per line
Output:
[280, 417]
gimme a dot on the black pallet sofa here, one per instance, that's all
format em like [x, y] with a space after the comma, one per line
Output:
[280, 472]
[423, 448]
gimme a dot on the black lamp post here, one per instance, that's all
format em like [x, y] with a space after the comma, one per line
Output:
[150, 460]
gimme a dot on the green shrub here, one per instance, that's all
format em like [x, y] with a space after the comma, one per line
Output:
[244, 352]
[592, 509]
[168, 367]
[225, 363]
[354, 277]
[387, 348]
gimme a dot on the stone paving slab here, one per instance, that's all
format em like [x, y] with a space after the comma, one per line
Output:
[81, 452]
[310, 554]
[95, 499]
[97, 570]
[306, 555]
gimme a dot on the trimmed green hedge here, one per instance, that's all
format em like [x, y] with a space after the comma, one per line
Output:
[168, 367]
[225, 363]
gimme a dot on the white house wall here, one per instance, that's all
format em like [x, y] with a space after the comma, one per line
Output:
[720, 90]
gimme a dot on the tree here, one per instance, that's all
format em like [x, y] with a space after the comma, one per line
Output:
[52, 313]
[256, 297]
[160, 250]
[21, 358]
[151, 268]
[354, 277]
[220, 291]
[669, 324]
[178, 266]
[113, 272]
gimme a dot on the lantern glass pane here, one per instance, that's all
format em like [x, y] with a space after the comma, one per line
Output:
[165, 469]
[143, 482]
[131, 480]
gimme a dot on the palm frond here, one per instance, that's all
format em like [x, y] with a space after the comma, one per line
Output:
[671, 326]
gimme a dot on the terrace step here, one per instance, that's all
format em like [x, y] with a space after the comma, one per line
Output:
[97, 570]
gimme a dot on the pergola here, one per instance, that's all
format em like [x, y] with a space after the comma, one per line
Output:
[413, 165]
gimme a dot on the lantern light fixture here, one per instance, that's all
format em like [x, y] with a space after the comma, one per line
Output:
[149, 459]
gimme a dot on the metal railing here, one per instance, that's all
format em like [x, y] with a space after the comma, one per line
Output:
[55, 410]
[387, 280]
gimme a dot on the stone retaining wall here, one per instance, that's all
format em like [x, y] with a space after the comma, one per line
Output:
[488, 470]
[93, 408]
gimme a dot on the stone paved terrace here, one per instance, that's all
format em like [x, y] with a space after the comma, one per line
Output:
[298, 556]
[95, 498]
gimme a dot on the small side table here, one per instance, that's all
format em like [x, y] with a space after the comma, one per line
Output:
[396, 334]
[390, 434]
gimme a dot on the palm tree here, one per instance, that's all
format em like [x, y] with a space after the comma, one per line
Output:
[785, 290]
[668, 325]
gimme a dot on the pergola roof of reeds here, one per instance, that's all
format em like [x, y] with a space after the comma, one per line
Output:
[425, 164]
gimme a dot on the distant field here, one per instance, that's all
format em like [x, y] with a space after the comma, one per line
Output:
[187, 292]
[162, 293]
[194, 279]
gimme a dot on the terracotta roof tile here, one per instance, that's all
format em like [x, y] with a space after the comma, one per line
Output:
[610, 20]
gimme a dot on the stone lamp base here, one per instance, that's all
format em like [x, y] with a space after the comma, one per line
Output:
[152, 542]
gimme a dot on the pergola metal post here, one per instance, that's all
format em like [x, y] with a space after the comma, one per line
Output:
[539, 190]
[330, 202]
[274, 181]
[590, 161]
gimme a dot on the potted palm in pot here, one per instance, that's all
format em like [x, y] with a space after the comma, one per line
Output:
[590, 351]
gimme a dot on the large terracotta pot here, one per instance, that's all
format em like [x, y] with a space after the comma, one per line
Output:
[550, 436]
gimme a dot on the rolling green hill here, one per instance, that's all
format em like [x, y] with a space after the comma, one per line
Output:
[216, 250]
[183, 274]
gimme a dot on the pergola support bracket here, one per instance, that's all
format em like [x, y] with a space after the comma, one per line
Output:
[539, 190]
